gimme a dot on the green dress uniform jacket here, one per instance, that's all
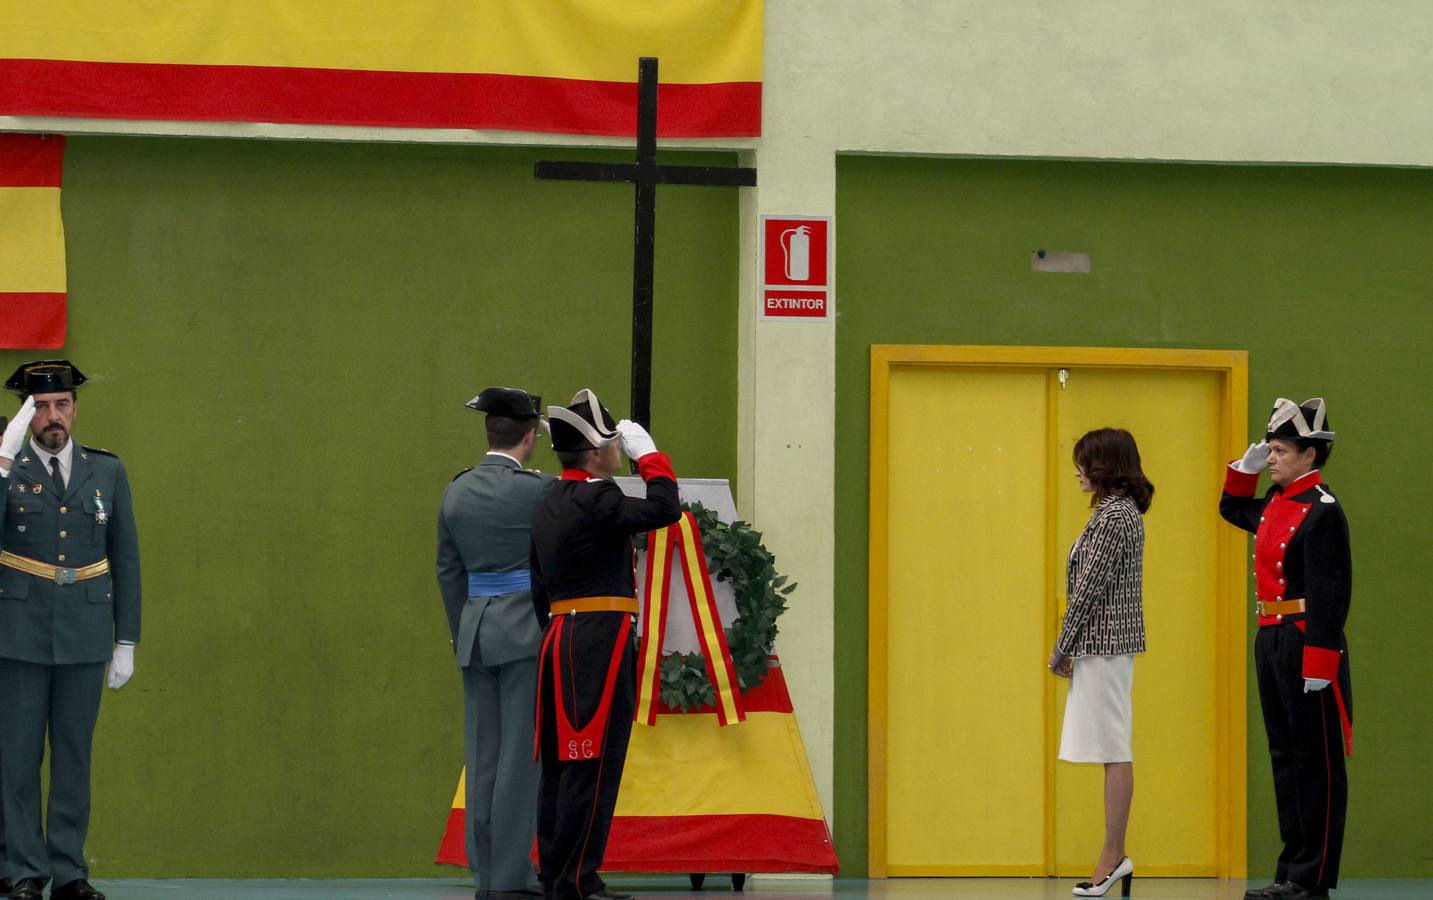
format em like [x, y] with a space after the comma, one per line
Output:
[483, 543]
[56, 634]
[62, 624]
[485, 526]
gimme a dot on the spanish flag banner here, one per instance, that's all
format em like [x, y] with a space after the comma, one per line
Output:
[684, 539]
[560, 66]
[32, 243]
[697, 797]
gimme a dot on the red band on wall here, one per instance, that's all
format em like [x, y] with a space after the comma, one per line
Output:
[311, 96]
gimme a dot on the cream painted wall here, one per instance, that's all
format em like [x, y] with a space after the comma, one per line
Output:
[1337, 81]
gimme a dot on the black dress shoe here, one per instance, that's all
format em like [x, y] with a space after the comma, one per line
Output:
[1289, 890]
[79, 889]
[1265, 892]
[27, 889]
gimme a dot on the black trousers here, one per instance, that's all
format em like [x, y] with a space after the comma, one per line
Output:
[577, 799]
[1307, 751]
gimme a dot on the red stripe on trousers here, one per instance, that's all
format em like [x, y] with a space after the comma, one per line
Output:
[99, 90]
[1328, 787]
[33, 320]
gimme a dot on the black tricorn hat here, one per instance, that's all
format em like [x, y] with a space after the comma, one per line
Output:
[505, 401]
[584, 425]
[46, 376]
[1302, 421]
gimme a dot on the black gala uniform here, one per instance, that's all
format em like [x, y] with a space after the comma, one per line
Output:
[1301, 552]
[587, 680]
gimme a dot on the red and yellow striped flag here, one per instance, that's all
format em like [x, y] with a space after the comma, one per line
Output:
[539, 65]
[697, 797]
[32, 243]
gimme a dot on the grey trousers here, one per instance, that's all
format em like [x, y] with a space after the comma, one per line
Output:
[66, 701]
[502, 778]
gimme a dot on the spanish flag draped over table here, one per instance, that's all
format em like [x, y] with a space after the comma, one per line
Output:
[711, 790]
[32, 242]
[565, 66]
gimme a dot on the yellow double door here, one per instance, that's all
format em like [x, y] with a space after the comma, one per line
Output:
[980, 505]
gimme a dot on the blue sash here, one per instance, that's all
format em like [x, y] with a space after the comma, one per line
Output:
[493, 584]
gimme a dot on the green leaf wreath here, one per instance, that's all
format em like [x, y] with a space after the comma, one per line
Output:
[735, 555]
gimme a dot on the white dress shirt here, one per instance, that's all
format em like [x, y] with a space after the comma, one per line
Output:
[65, 456]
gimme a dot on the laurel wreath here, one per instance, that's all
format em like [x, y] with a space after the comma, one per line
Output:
[735, 554]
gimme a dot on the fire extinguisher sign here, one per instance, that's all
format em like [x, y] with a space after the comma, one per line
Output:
[796, 267]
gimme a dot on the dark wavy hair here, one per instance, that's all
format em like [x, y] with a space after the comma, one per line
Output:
[1111, 463]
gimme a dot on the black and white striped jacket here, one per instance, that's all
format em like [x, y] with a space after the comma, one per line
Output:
[1104, 612]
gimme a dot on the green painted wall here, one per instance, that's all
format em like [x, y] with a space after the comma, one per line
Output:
[1322, 274]
[281, 337]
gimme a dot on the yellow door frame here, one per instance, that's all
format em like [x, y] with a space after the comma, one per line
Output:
[1232, 366]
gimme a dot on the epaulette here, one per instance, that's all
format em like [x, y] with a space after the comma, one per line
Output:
[100, 450]
[462, 473]
[1327, 497]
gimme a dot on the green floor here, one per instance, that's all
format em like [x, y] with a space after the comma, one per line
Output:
[764, 888]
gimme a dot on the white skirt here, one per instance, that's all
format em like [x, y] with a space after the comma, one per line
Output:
[1098, 711]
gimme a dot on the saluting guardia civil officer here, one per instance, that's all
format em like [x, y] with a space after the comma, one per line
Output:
[69, 605]
[584, 593]
[483, 548]
[1303, 571]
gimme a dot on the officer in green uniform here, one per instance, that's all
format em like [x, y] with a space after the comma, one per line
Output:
[69, 604]
[483, 544]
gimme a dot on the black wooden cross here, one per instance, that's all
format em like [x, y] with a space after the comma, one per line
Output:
[645, 174]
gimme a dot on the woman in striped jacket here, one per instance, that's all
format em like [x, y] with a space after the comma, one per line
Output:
[1102, 632]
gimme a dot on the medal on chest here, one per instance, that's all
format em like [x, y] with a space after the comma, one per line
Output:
[101, 514]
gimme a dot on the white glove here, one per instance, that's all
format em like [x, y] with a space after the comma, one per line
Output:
[121, 665]
[15, 432]
[1315, 684]
[1256, 458]
[636, 442]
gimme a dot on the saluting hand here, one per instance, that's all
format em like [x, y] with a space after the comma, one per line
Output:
[15, 432]
[636, 442]
[1255, 460]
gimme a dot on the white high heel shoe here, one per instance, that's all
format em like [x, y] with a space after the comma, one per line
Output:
[1124, 873]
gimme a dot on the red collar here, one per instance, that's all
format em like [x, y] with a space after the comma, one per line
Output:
[1303, 483]
[576, 475]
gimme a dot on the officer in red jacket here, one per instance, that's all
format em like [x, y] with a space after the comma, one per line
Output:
[585, 595]
[1303, 580]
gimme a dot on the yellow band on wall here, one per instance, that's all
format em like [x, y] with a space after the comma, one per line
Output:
[698, 41]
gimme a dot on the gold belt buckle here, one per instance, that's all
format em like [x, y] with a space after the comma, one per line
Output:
[64, 576]
[1259, 607]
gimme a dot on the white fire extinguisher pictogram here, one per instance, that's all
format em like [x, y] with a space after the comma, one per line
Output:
[797, 250]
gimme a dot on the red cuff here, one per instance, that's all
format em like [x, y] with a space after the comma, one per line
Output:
[1320, 662]
[1240, 484]
[656, 465]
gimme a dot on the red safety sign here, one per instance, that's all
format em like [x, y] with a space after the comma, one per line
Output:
[796, 267]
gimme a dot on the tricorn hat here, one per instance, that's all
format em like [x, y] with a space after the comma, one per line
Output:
[585, 424]
[45, 376]
[509, 402]
[1303, 421]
